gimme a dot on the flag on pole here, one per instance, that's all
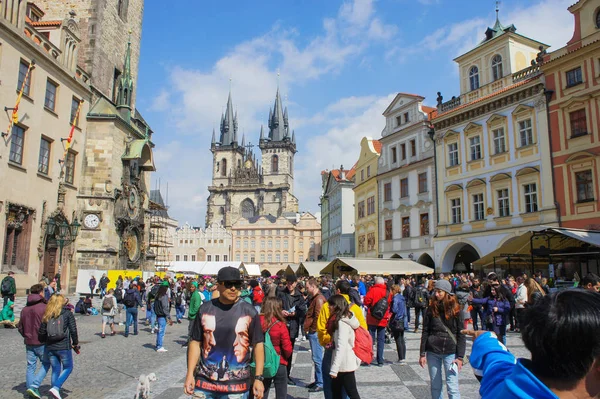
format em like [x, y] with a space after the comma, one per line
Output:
[73, 123]
[15, 113]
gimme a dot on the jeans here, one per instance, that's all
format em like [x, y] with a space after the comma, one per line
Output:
[347, 382]
[60, 359]
[102, 292]
[435, 363]
[131, 318]
[35, 353]
[418, 313]
[477, 313]
[378, 334]
[327, 380]
[219, 395]
[152, 317]
[7, 297]
[408, 313]
[317, 357]
[280, 381]
[162, 327]
[179, 311]
[400, 343]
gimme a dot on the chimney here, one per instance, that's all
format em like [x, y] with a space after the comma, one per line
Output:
[342, 173]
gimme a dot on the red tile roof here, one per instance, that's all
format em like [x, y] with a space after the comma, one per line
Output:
[336, 173]
[431, 112]
[507, 88]
[377, 146]
[42, 23]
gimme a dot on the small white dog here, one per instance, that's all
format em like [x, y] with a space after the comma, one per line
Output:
[143, 387]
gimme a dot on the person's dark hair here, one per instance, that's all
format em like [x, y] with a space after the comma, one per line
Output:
[338, 307]
[548, 330]
[36, 288]
[162, 290]
[272, 308]
[343, 286]
[591, 278]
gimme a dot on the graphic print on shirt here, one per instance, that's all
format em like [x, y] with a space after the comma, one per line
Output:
[226, 333]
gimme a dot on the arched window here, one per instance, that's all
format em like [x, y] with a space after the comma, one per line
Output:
[598, 20]
[474, 78]
[247, 208]
[275, 164]
[497, 72]
[223, 167]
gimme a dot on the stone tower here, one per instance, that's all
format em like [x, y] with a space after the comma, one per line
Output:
[103, 23]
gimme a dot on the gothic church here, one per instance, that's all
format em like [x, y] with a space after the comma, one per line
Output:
[244, 187]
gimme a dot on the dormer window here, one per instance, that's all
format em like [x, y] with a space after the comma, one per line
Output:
[474, 78]
[497, 72]
[398, 121]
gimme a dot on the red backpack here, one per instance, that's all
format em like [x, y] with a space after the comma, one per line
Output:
[363, 345]
[258, 296]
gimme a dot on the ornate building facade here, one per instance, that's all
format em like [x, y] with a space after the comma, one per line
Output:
[365, 200]
[195, 244]
[241, 186]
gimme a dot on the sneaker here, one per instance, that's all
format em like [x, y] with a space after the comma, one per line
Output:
[303, 338]
[312, 385]
[55, 394]
[316, 389]
[34, 393]
[161, 350]
[291, 382]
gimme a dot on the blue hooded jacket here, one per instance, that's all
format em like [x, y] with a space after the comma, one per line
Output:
[504, 377]
[399, 309]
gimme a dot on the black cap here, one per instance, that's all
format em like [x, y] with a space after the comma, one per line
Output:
[229, 274]
[291, 278]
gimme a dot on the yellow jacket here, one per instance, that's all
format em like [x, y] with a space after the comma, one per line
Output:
[324, 337]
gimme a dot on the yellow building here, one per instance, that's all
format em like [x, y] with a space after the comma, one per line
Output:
[365, 199]
[493, 152]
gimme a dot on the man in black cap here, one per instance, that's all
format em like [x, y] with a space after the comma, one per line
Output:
[293, 305]
[226, 328]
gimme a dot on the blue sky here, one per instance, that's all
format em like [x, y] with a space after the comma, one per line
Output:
[340, 64]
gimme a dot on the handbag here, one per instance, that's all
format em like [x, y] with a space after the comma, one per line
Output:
[453, 337]
[396, 325]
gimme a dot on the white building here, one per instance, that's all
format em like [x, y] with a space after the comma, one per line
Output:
[337, 213]
[195, 244]
[406, 181]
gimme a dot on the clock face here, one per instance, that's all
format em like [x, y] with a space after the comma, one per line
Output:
[91, 221]
[132, 246]
[133, 203]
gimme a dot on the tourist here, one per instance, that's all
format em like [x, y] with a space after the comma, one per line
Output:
[50, 290]
[161, 309]
[59, 346]
[103, 284]
[591, 282]
[420, 300]
[476, 309]
[8, 288]
[442, 343]
[315, 301]
[132, 301]
[377, 324]
[239, 330]
[399, 322]
[520, 302]
[344, 362]
[535, 292]
[273, 322]
[195, 302]
[495, 309]
[109, 310]
[293, 304]
[92, 284]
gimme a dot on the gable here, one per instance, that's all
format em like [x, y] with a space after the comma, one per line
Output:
[400, 101]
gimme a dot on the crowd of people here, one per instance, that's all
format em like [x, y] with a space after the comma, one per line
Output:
[242, 332]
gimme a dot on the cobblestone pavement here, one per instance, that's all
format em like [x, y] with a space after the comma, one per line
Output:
[108, 368]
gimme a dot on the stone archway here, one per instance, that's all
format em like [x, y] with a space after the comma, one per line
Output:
[426, 260]
[459, 257]
[247, 208]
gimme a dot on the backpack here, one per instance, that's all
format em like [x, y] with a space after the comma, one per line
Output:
[258, 296]
[271, 357]
[363, 345]
[129, 299]
[107, 303]
[119, 295]
[420, 298]
[153, 292]
[6, 286]
[55, 329]
[179, 298]
[380, 308]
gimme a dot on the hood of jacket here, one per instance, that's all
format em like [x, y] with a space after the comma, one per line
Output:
[33, 299]
[351, 321]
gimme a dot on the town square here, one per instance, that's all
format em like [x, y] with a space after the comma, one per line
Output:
[318, 199]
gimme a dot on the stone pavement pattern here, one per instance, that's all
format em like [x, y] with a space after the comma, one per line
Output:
[108, 368]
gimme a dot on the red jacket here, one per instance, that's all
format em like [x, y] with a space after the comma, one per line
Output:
[280, 338]
[31, 319]
[373, 296]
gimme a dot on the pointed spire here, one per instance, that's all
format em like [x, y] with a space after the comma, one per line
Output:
[285, 117]
[262, 133]
[229, 124]
[125, 90]
[277, 125]
[213, 137]
[293, 137]
[243, 140]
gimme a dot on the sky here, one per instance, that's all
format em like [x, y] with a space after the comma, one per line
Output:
[338, 65]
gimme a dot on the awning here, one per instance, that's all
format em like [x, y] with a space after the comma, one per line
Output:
[186, 267]
[206, 268]
[252, 269]
[311, 268]
[375, 266]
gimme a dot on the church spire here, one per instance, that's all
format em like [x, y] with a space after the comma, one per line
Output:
[229, 124]
[277, 124]
[262, 133]
[125, 90]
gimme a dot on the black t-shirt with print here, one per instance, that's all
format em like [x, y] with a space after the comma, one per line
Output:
[226, 334]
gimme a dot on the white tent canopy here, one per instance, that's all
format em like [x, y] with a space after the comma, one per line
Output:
[252, 269]
[212, 268]
[374, 266]
[311, 268]
[186, 267]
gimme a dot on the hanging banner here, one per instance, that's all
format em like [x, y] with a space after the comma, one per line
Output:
[15, 112]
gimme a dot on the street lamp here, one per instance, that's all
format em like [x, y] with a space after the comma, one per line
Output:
[65, 235]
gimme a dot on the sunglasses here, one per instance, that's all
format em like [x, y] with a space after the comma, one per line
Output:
[230, 284]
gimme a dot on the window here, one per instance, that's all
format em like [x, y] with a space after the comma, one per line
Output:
[193, 258]
[177, 258]
[413, 148]
[406, 117]
[371, 205]
[406, 227]
[275, 164]
[368, 171]
[361, 209]
[237, 257]
[17, 141]
[285, 257]
[499, 141]
[301, 244]
[252, 244]
[497, 72]
[122, 8]
[270, 244]
[269, 258]
[50, 100]
[530, 197]
[277, 244]
[74, 107]
[70, 167]
[224, 258]
[453, 154]
[23, 68]
[456, 210]
[223, 167]
[598, 20]
[478, 211]
[388, 229]
[245, 244]
[387, 192]
[362, 175]
[285, 244]
[216, 258]
[525, 132]
[424, 219]
[185, 258]
[245, 257]
[474, 78]
[394, 155]
[404, 187]
[402, 152]
[574, 77]
[503, 203]
[262, 257]
[475, 144]
[44, 159]
[398, 121]
[578, 123]
[585, 187]
[423, 182]
[262, 244]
